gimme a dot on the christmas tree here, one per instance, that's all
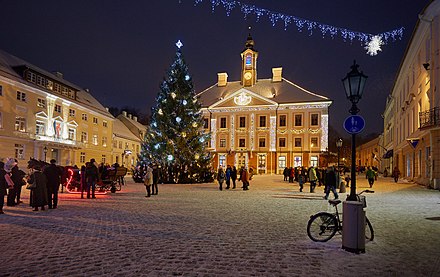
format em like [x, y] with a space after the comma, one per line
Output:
[176, 142]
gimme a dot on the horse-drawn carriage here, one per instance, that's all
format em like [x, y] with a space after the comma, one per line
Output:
[110, 180]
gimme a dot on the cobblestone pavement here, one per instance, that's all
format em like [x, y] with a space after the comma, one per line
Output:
[197, 230]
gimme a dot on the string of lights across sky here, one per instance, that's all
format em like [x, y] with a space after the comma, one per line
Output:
[371, 42]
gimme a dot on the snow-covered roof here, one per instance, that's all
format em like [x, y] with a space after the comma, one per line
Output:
[122, 131]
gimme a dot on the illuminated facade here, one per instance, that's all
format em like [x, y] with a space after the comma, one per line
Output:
[412, 127]
[44, 116]
[266, 124]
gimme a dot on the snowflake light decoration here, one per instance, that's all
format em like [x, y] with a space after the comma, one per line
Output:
[374, 45]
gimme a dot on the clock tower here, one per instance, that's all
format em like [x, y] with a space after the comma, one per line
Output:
[249, 63]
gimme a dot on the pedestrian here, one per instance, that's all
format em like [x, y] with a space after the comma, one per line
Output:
[17, 177]
[301, 179]
[234, 176]
[38, 197]
[347, 180]
[3, 186]
[245, 178]
[330, 182]
[312, 178]
[220, 177]
[9, 165]
[53, 175]
[154, 189]
[148, 181]
[291, 173]
[251, 172]
[83, 181]
[371, 176]
[228, 176]
[286, 173]
[91, 177]
[396, 173]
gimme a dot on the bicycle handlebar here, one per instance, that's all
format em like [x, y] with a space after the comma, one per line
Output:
[367, 191]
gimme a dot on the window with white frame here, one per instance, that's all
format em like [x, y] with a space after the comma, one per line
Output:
[21, 96]
[297, 161]
[95, 120]
[95, 140]
[314, 142]
[281, 162]
[20, 124]
[314, 119]
[282, 142]
[84, 117]
[222, 143]
[19, 151]
[298, 142]
[71, 112]
[283, 120]
[222, 161]
[72, 134]
[298, 120]
[314, 161]
[40, 128]
[104, 141]
[82, 157]
[242, 142]
[242, 122]
[262, 121]
[41, 103]
[223, 122]
[262, 142]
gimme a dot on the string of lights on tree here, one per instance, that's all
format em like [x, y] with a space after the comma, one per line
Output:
[372, 42]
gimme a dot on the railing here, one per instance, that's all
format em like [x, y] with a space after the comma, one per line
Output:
[430, 118]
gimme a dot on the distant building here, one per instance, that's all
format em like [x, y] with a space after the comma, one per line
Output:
[44, 116]
[267, 124]
[412, 113]
[368, 154]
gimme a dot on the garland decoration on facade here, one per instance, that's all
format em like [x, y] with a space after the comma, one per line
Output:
[371, 42]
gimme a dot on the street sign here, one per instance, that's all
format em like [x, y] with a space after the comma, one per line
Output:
[354, 124]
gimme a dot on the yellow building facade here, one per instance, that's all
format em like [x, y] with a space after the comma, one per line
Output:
[44, 116]
[266, 124]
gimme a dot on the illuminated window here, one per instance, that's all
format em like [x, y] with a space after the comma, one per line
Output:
[71, 112]
[262, 142]
[222, 143]
[223, 122]
[314, 161]
[84, 117]
[283, 120]
[242, 122]
[314, 142]
[222, 161]
[297, 161]
[40, 127]
[263, 121]
[298, 120]
[95, 120]
[281, 162]
[82, 157]
[297, 142]
[95, 139]
[21, 96]
[41, 103]
[57, 108]
[249, 60]
[19, 151]
[20, 124]
[314, 120]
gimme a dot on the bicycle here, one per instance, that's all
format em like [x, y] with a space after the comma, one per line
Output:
[324, 225]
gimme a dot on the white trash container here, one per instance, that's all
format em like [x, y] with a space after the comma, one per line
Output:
[353, 227]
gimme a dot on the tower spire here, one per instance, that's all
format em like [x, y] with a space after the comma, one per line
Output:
[250, 42]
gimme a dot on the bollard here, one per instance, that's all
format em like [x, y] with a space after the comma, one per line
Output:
[342, 187]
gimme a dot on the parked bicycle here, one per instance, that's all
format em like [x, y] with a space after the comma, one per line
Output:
[324, 225]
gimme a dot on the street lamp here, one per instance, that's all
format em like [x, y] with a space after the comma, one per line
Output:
[45, 152]
[339, 145]
[354, 84]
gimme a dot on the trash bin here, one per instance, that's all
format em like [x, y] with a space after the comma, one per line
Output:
[353, 227]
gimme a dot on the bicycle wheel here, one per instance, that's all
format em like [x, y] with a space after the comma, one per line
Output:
[322, 227]
[369, 232]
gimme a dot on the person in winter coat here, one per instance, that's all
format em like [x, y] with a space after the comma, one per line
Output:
[91, 177]
[371, 176]
[228, 176]
[220, 177]
[148, 181]
[53, 174]
[9, 165]
[17, 178]
[38, 196]
[233, 176]
[313, 177]
[396, 173]
[286, 173]
[330, 182]
[245, 178]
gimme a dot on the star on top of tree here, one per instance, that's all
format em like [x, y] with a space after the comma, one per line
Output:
[179, 44]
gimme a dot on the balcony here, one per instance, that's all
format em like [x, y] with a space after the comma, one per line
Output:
[430, 118]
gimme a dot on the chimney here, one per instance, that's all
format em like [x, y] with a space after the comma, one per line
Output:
[129, 115]
[277, 74]
[124, 113]
[222, 79]
[135, 118]
[58, 74]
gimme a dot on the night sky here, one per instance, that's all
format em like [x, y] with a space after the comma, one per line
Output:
[121, 50]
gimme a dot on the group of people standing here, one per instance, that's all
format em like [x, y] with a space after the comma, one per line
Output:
[231, 174]
[151, 179]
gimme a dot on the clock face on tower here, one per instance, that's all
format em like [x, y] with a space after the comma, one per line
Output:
[247, 76]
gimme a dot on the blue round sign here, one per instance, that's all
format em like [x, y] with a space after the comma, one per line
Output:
[354, 124]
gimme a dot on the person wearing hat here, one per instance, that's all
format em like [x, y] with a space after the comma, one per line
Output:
[53, 175]
[38, 197]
